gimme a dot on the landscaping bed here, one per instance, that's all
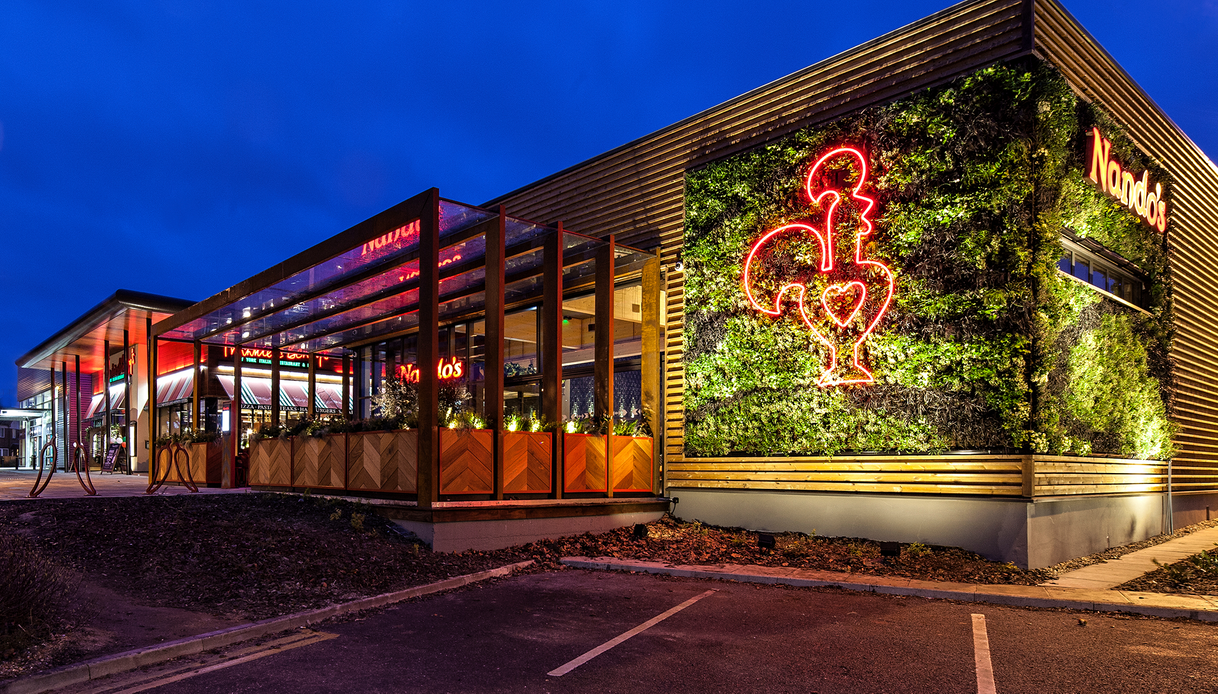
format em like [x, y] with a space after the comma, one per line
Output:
[679, 542]
[240, 557]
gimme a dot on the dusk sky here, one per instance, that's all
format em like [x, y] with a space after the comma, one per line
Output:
[179, 146]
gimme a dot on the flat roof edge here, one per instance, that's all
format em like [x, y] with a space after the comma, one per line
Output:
[117, 302]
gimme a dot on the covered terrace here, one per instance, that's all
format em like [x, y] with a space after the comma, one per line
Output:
[547, 341]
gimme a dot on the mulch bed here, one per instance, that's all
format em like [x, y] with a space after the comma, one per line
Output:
[1195, 575]
[679, 542]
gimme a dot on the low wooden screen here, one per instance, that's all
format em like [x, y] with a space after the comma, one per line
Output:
[320, 462]
[632, 463]
[385, 461]
[584, 462]
[527, 461]
[467, 461]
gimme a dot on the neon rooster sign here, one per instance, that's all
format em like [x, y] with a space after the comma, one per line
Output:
[854, 292]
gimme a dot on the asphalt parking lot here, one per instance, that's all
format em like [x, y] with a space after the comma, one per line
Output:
[516, 634]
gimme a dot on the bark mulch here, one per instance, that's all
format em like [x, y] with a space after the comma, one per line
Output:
[679, 542]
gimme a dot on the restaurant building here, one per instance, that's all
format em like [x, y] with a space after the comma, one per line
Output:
[84, 385]
[950, 286]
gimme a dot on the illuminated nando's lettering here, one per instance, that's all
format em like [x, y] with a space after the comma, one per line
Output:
[1131, 191]
[408, 233]
[414, 272]
[445, 370]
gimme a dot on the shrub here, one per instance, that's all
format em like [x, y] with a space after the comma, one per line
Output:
[35, 591]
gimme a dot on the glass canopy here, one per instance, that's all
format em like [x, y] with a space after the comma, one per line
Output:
[369, 291]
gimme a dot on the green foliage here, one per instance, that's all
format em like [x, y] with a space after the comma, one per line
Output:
[974, 181]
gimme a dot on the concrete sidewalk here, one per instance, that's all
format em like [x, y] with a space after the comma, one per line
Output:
[16, 484]
[1201, 608]
[1114, 572]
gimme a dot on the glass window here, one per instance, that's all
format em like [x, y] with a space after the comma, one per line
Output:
[520, 356]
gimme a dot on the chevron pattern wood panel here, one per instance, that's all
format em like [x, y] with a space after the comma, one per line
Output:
[260, 463]
[386, 461]
[206, 460]
[279, 470]
[527, 459]
[467, 461]
[584, 463]
[319, 462]
[632, 463]
[202, 458]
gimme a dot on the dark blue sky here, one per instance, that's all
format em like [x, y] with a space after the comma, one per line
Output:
[180, 146]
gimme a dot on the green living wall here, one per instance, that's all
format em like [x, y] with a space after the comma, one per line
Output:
[985, 345]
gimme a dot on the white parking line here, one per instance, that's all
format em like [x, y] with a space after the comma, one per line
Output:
[981, 655]
[559, 672]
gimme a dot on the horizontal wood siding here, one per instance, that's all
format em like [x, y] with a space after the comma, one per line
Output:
[637, 191]
[1192, 229]
[991, 475]
[987, 475]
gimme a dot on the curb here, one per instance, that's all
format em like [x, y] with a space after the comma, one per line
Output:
[1011, 596]
[152, 655]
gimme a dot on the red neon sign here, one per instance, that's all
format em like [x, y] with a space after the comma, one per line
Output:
[446, 369]
[1123, 186]
[253, 353]
[408, 233]
[843, 300]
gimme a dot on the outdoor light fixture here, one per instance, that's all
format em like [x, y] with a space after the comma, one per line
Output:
[890, 549]
[765, 541]
[640, 531]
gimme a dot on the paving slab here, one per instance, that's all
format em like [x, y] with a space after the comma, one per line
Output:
[16, 484]
[1114, 572]
[1197, 607]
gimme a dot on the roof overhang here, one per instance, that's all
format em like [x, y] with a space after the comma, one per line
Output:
[85, 337]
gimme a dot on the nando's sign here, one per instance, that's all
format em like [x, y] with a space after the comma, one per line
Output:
[1124, 186]
[403, 235]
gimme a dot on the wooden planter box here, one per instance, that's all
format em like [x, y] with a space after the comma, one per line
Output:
[164, 458]
[206, 460]
[320, 463]
[527, 461]
[584, 462]
[383, 461]
[271, 463]
[632, 464]
[467, 461]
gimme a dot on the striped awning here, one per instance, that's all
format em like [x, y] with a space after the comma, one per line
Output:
[174, 388]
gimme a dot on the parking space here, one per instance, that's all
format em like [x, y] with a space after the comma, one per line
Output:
[509, 635]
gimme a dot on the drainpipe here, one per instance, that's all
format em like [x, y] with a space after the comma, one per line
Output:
[1171, 520]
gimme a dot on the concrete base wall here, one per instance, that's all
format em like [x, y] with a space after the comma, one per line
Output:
[1194, 508]
[1029, 533]
[497, 534]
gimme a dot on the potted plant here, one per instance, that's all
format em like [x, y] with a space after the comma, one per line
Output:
[319, 455]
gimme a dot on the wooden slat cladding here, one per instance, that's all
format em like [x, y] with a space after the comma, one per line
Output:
[987, 475]
[637, 191]
[1193, 229]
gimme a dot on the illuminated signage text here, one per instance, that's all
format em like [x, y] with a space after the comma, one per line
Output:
[1130, 190]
